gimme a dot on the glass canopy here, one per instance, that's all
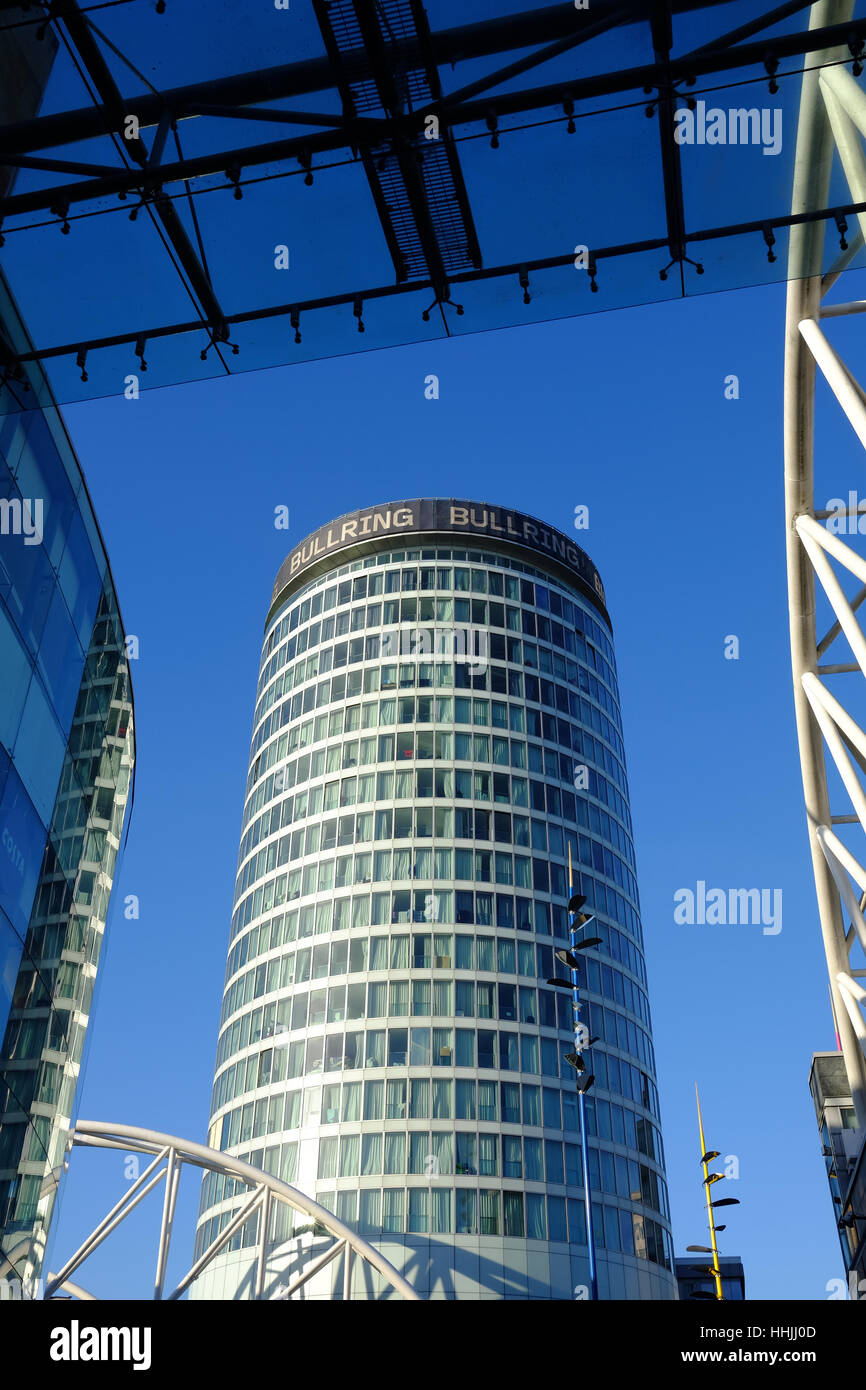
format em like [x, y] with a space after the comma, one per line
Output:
[219, 188]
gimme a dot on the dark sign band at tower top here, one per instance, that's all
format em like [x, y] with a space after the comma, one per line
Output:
[372, 528]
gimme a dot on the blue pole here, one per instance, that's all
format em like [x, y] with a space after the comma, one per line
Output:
[581, 1098]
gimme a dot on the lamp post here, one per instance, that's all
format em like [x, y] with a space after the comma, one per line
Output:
[577, 920]
[707, 1156]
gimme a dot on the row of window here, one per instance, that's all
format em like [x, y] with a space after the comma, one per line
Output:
[440, 1210]
[481, 713]
[422, 951]
[504, 681]
[328, 595]
[440, 822]
[395, 998]
[431, 707]
[426, 998]
[434, 822]
[415, 632]
[420, 905]
[421, 862]
[315, 918]
[512, 790]
[442, 1046]
[465, 1153]
[423, 1098]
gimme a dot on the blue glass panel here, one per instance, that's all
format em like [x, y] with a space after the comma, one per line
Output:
[26, 577]
[39, 750]
[61, 660]
[10, 956]
[22, 842]
[79, 579]
[16, 669]
[40, 473]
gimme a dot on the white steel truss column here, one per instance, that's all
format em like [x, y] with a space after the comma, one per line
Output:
[832, 120]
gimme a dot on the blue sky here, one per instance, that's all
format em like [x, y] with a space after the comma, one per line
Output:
[626, 413]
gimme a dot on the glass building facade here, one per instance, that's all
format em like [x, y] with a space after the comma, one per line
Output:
[437, 721]
[66, 754]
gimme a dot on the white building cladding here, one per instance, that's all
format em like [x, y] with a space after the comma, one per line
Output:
[387, 1040]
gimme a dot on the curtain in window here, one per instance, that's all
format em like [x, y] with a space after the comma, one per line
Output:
[376, 1000]
[467, 1161]
[444, 781]
[484, 918]
[442, 1000]
[327, 1158]
[487, 1155]
[467, 1215]
[417, 1210]
[382, 866]
[395, 1153]
[350, 1151]
[512, 1213]
[289, 1162]
[392, 1209]
[442, 863]
[419, 1099]
[371, 1155]
[399, 1003]
[440, 1210]
[402, 864]
[487, 1107]
[441, 1147]
[369, 1217]
[400, 952]
[423, 863]
[442, 1100]
[484, 999]
[535, 1224]
[403, 784]
[361, 911]
[512, 1165]
[352, 1100]
[489, 1213]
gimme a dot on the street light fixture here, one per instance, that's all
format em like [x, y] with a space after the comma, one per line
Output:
[714, 1270]
[577, 920]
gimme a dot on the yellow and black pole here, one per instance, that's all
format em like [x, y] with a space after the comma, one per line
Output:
[709, 1179]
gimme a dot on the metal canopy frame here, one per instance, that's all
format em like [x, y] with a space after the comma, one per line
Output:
[168, 1154]
[382, 62]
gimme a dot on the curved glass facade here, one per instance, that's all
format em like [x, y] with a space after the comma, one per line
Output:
[434, 727]
[66, 753]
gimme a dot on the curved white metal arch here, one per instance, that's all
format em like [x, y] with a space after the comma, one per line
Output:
[832, 120]
[173, 1152]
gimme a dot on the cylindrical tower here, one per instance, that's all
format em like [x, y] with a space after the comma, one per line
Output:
[437, 720]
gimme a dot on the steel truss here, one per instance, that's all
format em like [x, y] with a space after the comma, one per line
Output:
[265, 1195]
[383, 62]
[832, 119]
